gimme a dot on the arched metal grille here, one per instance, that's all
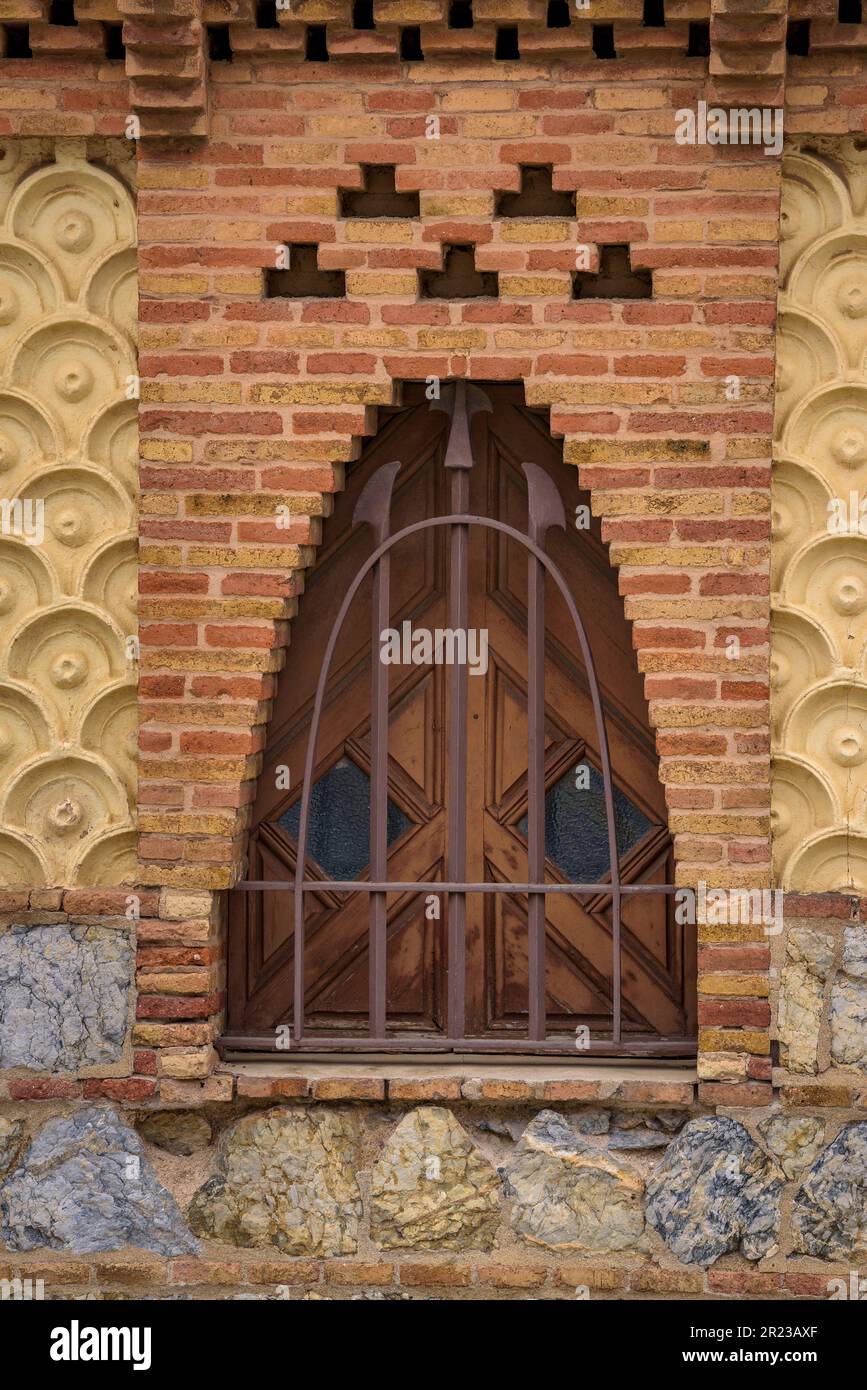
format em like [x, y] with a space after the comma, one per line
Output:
[461, 402]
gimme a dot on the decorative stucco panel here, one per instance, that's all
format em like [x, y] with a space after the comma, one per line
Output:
[819, 574]
[68, 472]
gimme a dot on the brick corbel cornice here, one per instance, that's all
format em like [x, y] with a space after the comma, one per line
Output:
[165, 64]
[748, 52]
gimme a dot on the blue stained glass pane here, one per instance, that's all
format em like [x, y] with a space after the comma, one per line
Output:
[338, 832]
[576, 827]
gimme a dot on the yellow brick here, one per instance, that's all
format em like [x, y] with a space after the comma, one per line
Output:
[287, 335]
[375, 337]
[681, 338]
[657, 503]
[200, 392]
[523, 229]
[738, 984]
[736, 178]
[348, 127]
[158, 336]
[386, 230]
[501, 127]
[324, 393]
[460, 154]
[470, 99]
[548, 391]
[301, 152]
[646, 123]
[526, 286]
[677, 286]
[237, 231]
[529, 339]
[601, 206]
[456, 205]
[668, 556]
[225, 335]
[627, 98]
[806, 95]
[259, 504]
[160, 555]
[242, 557]
[452, 338]
[739, 286]
[26, 98]
[678, 231]
[186, 229]
[165, 451]
[239, 284]
[741, 230]
[379, 282]
[738, 1040]
[158, 504]
[171, 176]
[152, 282]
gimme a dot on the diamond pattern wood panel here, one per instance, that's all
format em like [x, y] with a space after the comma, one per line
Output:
[68, 474]
[819, 555]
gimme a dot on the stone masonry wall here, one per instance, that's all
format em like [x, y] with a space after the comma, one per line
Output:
[727, 1180]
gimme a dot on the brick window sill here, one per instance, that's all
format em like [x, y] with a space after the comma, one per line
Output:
[653, 1083]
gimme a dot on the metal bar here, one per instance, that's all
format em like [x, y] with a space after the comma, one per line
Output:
[377, 956]
[316, 885]
[646, 1047]
[457, 792]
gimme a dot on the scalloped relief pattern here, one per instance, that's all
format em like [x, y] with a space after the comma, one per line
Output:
[819, 578]
[68, 585]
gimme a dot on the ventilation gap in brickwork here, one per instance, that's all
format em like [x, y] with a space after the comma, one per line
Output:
[62, 12]
[699, 39]
[507, 49]
[461, 14]
[266, 15]
[362, 15]
[603, 41]
[654, 14]
[798, 38]
[849, 11]
[615, 278]
[16, 41]
[379, 197]
[316, 45]
[538, 197]
[410, 44]
[219, 43]
[304, 279]
[558, 14]
[115, 48]
[458, 278]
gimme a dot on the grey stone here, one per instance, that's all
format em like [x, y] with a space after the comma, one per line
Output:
[848, 1018]
[794, 1140]
[569, 1196]
[715, 1190]
[431, 1188]
[855, 952]
[591, 1121]
[638, 1139]
[177, 1131]
[285, 1178]
[84, 1185]
[829, 1213]
[64, 996]
[809, 958]
[11, 1142]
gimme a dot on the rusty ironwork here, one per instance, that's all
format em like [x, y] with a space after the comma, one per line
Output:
[545, 512]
